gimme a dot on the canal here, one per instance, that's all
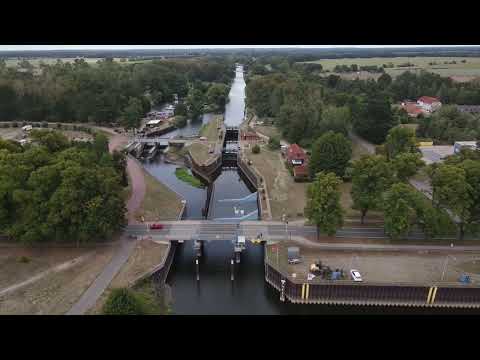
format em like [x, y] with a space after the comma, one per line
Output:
[215, 293]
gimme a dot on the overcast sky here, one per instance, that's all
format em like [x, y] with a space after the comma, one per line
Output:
[122, 47]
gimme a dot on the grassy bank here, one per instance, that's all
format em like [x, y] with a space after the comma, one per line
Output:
[159, 203]
[184, 175]
[210, 130]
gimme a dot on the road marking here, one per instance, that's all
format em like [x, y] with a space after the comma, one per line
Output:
[429, 295]
[303, 291]
[433, 295]
[307, 291]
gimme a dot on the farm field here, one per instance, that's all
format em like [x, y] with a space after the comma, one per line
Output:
[12, 62]
[471, 68]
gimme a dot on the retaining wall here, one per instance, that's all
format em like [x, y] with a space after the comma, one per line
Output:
[342, 292]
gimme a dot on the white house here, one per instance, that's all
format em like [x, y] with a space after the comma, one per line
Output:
[429, 103]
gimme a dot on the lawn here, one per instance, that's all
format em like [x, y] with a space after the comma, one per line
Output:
[286, 196]
[199, 152]
[470, 68]
[185, 175]
[159, 203]
[270, 131]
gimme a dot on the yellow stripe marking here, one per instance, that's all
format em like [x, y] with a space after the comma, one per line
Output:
[429, 295]
[433, 295]
[308, 290]
[303, 291]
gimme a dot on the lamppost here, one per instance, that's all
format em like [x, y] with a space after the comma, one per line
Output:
[445, 265]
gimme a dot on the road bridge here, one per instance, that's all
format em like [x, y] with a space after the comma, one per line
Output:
[209, 230]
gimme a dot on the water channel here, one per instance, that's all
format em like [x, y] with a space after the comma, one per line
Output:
[215, 293]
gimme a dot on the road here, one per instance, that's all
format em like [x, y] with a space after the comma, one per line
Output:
[271, 230]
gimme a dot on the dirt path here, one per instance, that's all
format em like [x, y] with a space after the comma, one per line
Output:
[64, 266]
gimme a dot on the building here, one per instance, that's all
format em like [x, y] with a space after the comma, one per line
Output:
[412, 108]
[300, 172]
[472, 109]
[296, 155]
[459, 145]
[154, 123]
[428, 103]
[250, 136]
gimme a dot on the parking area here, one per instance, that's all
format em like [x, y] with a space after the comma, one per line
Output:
[380, 266]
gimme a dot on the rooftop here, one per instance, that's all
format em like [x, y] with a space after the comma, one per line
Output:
[428, 99]
[435, 153]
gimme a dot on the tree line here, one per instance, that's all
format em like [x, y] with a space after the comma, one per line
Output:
[105, 92]
[58, 190]
[380, 182]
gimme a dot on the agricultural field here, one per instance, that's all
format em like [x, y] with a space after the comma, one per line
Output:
[12, 62]
[464, 71]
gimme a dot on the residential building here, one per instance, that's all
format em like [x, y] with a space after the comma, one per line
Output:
[459, 145]
[296, 155]
[412, 108]
[429, 103]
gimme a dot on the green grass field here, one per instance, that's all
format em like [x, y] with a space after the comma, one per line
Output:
[470, 68]
[51, 61]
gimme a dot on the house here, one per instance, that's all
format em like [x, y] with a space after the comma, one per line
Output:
[250, 136]
[296, 155]
[300, 172]
[429, 103]
[459, 145]
[472, 109]
[412, 108]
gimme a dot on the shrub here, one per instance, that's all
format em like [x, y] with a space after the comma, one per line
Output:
[59, 126]
[122, 302]
[44, 124]
[256, 149]
[14, 124]
[274, 143]
[24, 259]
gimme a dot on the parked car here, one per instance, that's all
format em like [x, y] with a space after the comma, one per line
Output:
[355, 274]
[156, 227]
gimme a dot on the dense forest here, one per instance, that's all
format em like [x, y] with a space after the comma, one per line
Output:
[297, 98]
[57, 190]
[107, 91]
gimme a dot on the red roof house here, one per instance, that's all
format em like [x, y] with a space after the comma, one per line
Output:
[429, 103]
[428, 99]
[412, 109]
[300, 171]
[296, 155]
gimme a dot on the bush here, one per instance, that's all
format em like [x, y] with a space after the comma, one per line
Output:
[44, 124]
[59, 126]
[15, 124]
[256, 149]
[122, 302]
[24, 259]
[274, 143]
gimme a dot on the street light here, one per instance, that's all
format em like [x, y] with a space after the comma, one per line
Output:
[445, 265]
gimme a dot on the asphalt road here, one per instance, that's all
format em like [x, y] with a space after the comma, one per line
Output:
[210, 231]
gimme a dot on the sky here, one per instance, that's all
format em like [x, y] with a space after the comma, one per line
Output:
[123, 47]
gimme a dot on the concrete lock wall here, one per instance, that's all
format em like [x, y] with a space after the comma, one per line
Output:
[448, 295]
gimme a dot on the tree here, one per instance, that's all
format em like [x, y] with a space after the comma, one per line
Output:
[384, 80]
[323, 203]
[400, 140]
[398, 210]
[100, 144]
[331, 152]
[132, 114]
[273, 143]
[180, 121]
[371, 176]
[372, 118]
[217, 95]
[452, 192]
[123, 301]
[53, 140]
[407, 164]
[256, 149]
[335, 119]
[181, 109]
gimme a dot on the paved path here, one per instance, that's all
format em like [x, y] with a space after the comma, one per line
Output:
[96, 289]
[137, 180]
